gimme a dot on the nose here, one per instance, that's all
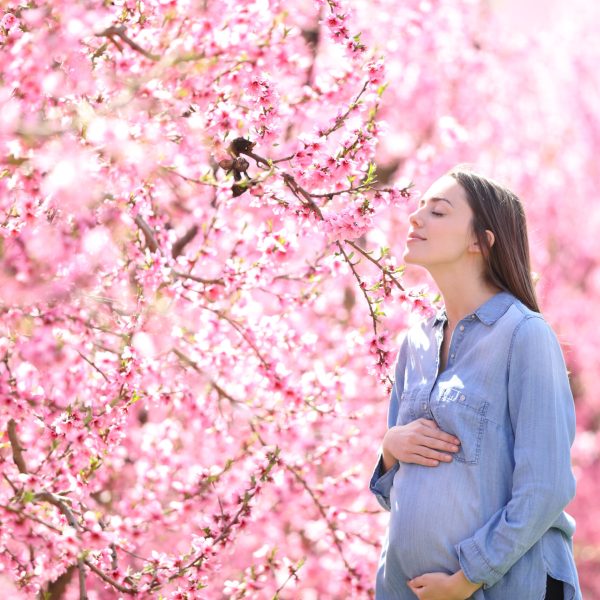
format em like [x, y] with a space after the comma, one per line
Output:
[415, 217]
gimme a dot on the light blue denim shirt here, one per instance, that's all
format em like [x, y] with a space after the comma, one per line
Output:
[496, 511]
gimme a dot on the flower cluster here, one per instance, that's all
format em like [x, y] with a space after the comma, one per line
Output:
[202, 207]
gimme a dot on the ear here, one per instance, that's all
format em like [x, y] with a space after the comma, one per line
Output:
[474, 246]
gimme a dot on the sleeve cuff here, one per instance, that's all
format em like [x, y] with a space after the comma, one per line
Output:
[474, 565]
[381, 484]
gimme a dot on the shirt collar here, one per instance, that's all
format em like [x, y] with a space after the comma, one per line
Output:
[489, 312]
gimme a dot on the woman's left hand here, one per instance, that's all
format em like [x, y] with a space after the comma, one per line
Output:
[440, 586]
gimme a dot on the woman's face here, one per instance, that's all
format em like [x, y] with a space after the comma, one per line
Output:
[443, 220]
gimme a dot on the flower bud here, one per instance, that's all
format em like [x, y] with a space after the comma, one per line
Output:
[226, 164]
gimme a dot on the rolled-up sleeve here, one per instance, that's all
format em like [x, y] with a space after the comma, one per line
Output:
[542, 415]
[381, 483]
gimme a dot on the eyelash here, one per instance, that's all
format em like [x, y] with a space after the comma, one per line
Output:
[437, 214]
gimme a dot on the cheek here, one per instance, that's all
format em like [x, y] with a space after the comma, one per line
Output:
[447, 244]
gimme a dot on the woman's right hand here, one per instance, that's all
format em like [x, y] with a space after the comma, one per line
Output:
[421, 442]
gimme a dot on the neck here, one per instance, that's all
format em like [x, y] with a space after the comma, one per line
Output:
[463, 295]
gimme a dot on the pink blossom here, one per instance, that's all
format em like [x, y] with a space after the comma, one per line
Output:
[183, 364]
[8, 21]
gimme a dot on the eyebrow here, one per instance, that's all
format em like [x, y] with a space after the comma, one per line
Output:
[436, 199]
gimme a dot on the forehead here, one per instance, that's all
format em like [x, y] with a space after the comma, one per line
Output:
[446, 187]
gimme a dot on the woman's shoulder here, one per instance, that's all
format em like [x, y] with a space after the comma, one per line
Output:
[533, 332]
[503, 312]
[524, 316]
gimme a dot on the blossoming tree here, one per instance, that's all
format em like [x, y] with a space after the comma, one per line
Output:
[201, 208]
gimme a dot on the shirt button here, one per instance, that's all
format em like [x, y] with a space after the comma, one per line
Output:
[452, 356]
[462, 327]
[424, 405]
[462, 397]
[472, 316]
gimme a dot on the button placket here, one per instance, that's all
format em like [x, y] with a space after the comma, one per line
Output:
[461, 328]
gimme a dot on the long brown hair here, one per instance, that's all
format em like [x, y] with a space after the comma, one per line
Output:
[495, 207]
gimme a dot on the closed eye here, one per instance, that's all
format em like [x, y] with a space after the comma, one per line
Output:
[437, 214]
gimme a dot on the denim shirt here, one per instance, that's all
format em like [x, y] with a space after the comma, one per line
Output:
[496, 511]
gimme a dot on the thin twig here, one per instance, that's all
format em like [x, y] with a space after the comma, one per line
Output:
[187, 360]
[360, 285]
[29, 516]
[87, 360]
[293, 574]
[248, 496]
[109, 580]
[317, 503]
[375, 262]
[301, 193]
[340, 120]
[198, 279]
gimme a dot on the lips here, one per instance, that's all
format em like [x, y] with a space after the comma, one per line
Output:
[414, 236]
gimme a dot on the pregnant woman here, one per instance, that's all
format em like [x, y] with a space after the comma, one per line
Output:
[475, 466]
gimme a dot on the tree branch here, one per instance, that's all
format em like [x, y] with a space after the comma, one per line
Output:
[148, 234]
[17, 449]
[198, 279]
[110, 580]
[185, 239]
[119, 31]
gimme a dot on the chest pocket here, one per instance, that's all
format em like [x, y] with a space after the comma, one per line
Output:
[462, 414]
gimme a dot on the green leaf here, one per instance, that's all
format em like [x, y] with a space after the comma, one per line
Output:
[381, 89]
[371, 174]
[28, 496]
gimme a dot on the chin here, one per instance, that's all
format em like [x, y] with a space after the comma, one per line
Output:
[407, 259]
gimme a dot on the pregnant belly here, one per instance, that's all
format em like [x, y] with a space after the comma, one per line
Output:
[432, 510]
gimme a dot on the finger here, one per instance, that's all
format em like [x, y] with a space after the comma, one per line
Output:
[417, 459]
[427, 452]
[417, 592]
[428, 423]
[438, 444]
[438, 434]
